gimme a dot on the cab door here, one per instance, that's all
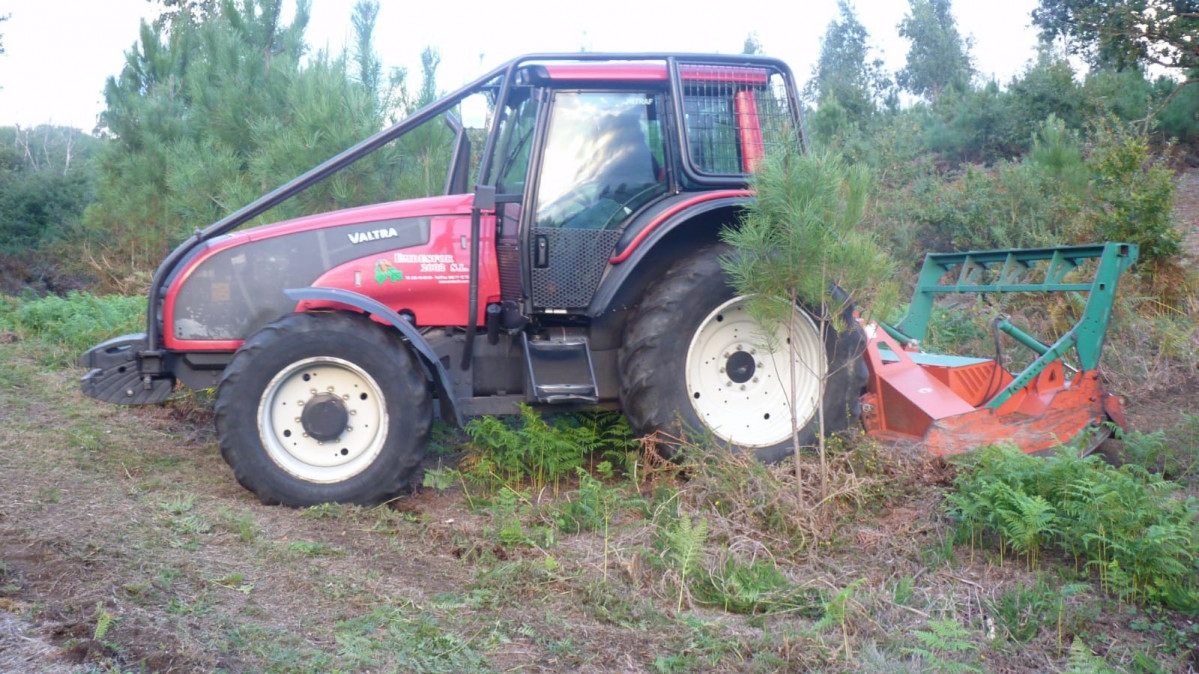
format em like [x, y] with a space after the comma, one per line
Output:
[602, 160]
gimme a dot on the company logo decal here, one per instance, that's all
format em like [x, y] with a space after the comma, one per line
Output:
[385, 272]
[372, 235]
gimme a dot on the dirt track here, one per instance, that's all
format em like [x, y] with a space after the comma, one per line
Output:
[132, 515]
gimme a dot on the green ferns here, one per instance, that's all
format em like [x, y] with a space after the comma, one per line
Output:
[533, 450]
[1124, 525]
[942, 644]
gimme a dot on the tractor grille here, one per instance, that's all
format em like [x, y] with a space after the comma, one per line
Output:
[577, 259]
[733, 115]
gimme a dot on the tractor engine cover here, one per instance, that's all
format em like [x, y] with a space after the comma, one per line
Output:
[412, 256]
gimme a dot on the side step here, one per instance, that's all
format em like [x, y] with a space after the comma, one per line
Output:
[560, 370]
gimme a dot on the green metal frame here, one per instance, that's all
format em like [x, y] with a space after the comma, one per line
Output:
[1025, 270]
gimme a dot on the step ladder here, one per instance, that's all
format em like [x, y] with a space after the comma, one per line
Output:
[560, 370]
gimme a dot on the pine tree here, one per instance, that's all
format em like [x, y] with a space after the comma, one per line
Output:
[938, 58]
[218, 104]
[845, 76]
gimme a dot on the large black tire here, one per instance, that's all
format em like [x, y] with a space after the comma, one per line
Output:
[323, 408]
[657, 388]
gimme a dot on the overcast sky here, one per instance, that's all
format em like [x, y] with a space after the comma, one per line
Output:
[59, 52]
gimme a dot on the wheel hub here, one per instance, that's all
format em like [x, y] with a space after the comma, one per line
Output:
[324, 417]
[743, 383]
[740, 367]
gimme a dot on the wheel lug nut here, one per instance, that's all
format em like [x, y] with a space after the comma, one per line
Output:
[738, 347]
[743, 387]
[345, 396]
[752, 351]
[755, 380]
[722, 370]
[727, 354]
[728, 383]
[297, 420]
[353, 412]
[299, 403]
[312, 391]
[329, 389]
[305, 435]
[759, 365]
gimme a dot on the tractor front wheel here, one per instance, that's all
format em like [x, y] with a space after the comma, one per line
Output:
[693, 359]
[323, 407]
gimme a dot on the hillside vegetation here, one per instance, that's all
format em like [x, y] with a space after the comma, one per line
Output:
[564, 543]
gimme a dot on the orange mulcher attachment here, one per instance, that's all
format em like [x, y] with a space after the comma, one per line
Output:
[952, 403]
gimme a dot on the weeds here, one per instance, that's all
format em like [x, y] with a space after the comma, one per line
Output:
[241, 523]
[1173, 455]
[685, 544]
[408, 640]
[837, 614]
[943, 645]
[534, 451]
[70, 325]
[313, 549]
[104, 622]
[1123, 524]
[1022, 612]
[755, 587]
[1083, 661]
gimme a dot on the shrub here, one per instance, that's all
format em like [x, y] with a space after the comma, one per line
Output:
[1133, 193]
[70, 325]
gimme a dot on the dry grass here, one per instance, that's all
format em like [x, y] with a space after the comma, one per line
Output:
[132, 511]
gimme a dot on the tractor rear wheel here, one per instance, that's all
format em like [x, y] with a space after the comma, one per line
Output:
[323, 407]
[694, 360]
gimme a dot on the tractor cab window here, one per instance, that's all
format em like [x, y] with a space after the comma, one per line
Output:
[603, 159]
[731, 115]
[516, 141]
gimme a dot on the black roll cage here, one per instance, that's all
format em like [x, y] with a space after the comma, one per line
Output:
[508, 72]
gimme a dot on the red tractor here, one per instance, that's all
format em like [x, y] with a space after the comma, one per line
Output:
[582, 268]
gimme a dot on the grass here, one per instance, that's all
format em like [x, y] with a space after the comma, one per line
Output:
[707, 565]
[70, 325]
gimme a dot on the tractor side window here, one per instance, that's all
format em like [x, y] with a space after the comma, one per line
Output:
[731, 115]
[712, 133]
[516, 141]
[602, 159]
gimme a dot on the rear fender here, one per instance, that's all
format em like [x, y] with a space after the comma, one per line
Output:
[434, 371]
[645, 252]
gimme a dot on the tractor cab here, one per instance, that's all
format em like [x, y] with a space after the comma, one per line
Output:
[588, 155]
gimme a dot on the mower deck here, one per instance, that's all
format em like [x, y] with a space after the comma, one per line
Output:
[953, 404]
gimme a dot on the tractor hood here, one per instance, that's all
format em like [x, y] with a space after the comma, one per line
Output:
[232, 285]
[362, 216]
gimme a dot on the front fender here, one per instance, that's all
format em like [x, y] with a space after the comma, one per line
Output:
[450, 409]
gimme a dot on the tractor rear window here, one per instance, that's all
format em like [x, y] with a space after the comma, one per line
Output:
[731, 116]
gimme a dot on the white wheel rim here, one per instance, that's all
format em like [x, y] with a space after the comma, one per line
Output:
[334, 459]
[749, 405]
